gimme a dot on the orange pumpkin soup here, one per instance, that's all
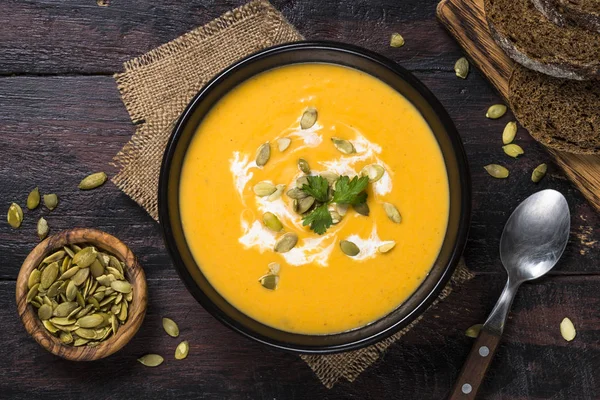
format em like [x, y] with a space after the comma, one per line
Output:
[362, 127]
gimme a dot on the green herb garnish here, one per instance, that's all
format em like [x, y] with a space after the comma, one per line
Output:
[351, 191]
[319, 219]
[317, 187]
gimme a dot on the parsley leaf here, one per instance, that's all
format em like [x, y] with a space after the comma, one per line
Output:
[319, 219]
[318, 188]
[351, 191]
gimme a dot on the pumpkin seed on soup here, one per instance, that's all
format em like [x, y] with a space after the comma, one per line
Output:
[309, 118]
[170, 327]
[263, 154]
[373, 171]
[303, 166]
[305, 204]
[362, 209]
[283, 143]
[264, 188]
[277, 193]
[14, 215]
[272, 222]
[349, 248]
[33, 200]
[344, 146]
[286, 242]
[269, 281]
[386, 247]
[392, 212]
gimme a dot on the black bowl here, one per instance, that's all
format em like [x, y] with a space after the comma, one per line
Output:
[399, 79]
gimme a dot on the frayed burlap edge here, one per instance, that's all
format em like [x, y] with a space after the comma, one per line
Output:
[157, 86]
[331, 368]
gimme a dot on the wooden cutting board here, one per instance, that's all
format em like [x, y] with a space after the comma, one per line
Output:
[465, 20]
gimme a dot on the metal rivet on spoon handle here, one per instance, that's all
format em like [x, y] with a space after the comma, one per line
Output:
[533, 240]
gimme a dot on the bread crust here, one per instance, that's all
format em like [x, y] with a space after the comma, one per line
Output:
[565, 13]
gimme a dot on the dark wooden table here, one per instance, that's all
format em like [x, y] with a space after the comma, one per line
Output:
[61, 117]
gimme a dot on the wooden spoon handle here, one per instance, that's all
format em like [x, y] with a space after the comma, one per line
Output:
[475, 367]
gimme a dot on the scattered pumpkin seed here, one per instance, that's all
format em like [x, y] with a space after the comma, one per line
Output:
[277, 193]
[296, 194]
[170, 327]
[283, 143]
[305, 204]
[513, 150]
[93, 181]
[269, 281]
[373, 171]
[151, 360]
[362, 209]
[50, 201]
[42, 228]
[33, 200]
[538, 173]
[264, 188]
[343, 145]
[272, 222]
[496, 111]
[182, 350]
[45, 312]
[303, 166]
[386, 247]
[286, 242]
[263, 154]
[567, 329]
[396, 40]
[509, 133]
[349, 248]
[473, 331]
[392, 212]
[309, 118]
[274, 268]
[14, 215]
[461, 67]
[497, 171]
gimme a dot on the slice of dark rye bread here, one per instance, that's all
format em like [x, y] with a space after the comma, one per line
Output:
[560, 113]
[532, 40]
[582, 13]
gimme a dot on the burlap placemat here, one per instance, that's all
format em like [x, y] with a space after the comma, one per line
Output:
[157, 86]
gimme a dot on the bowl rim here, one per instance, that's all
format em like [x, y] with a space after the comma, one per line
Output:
[463, 174]
[135, 272]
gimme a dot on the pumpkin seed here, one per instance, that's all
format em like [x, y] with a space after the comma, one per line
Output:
[50, 201]
[49, 327]
[331, 177]
[513, 150]
[496, 111]
[115, 272]
[264, 188]
[269, 281]
[277, 193]
[114, 324]
[335, 217]
[72, 314]
[274, 268]
[283, 143]
[14, 215]
[272, 222]
[396, 40]
[80, 342]
[538, 173]
[93, 181]
[80, 276]
[362, 209]
[49, 275]
[309, 118]
[349, 248]
[53, 289]
[69, 252]
[57, 256]
[473, 331]
[342, 209]
[66, 337]
[305, 204]
[62, 321]
[343, 146]
[64, 309]
[300, 182]
[497, 171]
[182, 350]
[263, 154]
[86, 333]
[34, 277]
[123, 312]
[286, 242]
[297, 193]
[567, 329]
[151, 360]
[509, 133]
[170, 327]
[66, 264]
[96, 269]
[386, 247]
[104, 259]
[84, 311]
[121, 286]
[392, 212]
[303, 166]
[33, 200]
[42, 228]
[45, 312]
[90, 321]
[81, 300]
[373, 171]
[461, 67]
[85, 257]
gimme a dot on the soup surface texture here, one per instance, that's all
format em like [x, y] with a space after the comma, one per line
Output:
[320, 289]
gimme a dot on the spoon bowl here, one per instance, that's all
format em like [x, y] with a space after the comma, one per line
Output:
[535, 235]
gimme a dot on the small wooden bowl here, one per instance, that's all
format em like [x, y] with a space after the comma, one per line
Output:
[133, 272]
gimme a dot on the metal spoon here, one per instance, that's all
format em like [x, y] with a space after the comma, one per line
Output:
[533, 240]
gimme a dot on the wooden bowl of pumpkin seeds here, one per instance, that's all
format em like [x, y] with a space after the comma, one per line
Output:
[81, 294]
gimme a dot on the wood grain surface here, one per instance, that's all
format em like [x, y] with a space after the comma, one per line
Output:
[61, 118]
[465, 19]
